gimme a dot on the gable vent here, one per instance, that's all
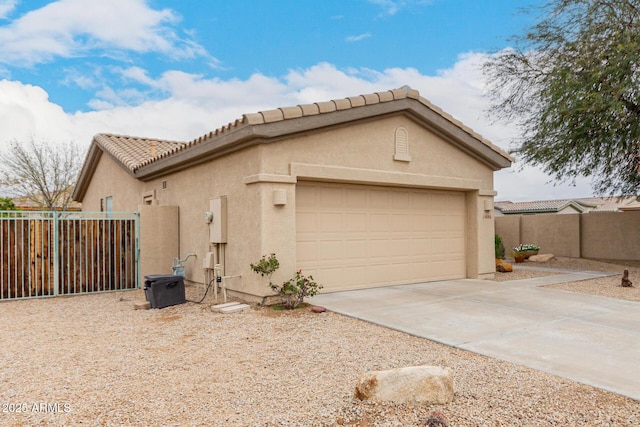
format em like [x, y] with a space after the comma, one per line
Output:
[402, 145]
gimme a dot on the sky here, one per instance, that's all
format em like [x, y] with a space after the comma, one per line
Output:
[175, 70]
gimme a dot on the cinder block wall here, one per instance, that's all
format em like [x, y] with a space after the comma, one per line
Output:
[611, 235]
[555, 234]
[508, 228]
[606, 235]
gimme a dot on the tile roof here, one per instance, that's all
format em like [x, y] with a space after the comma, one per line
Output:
[588, 204]
[134, 152]
[530, 207]
[24, 203]
[607, 204]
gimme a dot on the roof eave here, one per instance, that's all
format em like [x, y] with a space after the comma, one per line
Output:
[88, 168]
[461, 137]
[207, 150]
[252, 134]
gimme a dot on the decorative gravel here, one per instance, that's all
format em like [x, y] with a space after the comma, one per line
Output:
[603, 286]
[94, 360]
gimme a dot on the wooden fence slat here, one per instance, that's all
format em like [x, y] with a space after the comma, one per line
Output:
[93, 255]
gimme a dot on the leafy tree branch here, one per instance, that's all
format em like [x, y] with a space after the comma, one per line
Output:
[572, 85]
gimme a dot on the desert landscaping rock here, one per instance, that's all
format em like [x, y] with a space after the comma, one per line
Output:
[542, 258]
[142, 305]
[318, 309]
[96, 361]
[413, 384]
[504, 267]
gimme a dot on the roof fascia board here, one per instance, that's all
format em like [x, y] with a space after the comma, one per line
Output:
[458, 136]
[89, 167]
[250, 135]
[234, 140]
[425, 116]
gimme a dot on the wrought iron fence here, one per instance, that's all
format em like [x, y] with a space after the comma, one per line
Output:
[61, 253]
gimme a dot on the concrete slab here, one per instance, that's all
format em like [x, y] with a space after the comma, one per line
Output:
[234, 308]
[590, 339]
[219, 307]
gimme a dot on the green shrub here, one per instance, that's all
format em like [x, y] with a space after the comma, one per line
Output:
[6, 204]
[499, 247]
[266, 266]
[293, 291]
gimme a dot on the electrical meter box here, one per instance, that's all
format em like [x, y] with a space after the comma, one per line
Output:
[218, 226]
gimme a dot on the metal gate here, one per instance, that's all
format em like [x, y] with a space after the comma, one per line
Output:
[46, 254]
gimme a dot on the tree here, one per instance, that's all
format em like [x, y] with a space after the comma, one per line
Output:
[572, 85]
[41, 172]
[6, 204]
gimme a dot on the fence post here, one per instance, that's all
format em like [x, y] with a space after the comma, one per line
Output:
[137, 249]
[56, 255]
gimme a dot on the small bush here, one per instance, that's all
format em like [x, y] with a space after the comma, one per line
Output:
[292, 292]
[499, 247]
[266, 266]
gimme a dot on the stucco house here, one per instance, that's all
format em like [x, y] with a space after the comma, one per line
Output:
[371, 190]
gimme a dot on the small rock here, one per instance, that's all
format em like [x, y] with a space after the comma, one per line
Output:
[505, 267]
[318, 309]
[142, 305]
[542, 257]
[436, 419]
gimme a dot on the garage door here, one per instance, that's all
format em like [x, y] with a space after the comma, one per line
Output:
[357, 236]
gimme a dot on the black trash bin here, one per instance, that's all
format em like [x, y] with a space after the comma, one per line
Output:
[164, 290]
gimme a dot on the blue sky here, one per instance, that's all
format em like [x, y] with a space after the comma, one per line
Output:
[177, 69]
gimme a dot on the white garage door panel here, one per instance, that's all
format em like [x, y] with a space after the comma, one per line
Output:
[356, 236]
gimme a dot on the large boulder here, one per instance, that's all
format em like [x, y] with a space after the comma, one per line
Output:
[542, 257]
[413, 384]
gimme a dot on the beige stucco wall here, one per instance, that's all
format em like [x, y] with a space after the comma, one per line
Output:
[599, 235]
[371, 146]
[480, 206]
[159, 231]
[110, 179]
[358, 153]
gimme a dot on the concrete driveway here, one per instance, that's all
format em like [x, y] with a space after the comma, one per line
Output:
[590, 339]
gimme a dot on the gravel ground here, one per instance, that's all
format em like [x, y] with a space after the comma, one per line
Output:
[604, 286]
[93, 360]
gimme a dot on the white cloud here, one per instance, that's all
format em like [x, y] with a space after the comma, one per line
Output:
[26, 110]
[6, 7]
[391, 7]
[358, 38]
[69, 28]
[191, 106]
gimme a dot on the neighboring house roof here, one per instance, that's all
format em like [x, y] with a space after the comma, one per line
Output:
[23, 203]
[590, 204]
[608, 204]
[633, 206]
[146, 159]
[544, 206]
